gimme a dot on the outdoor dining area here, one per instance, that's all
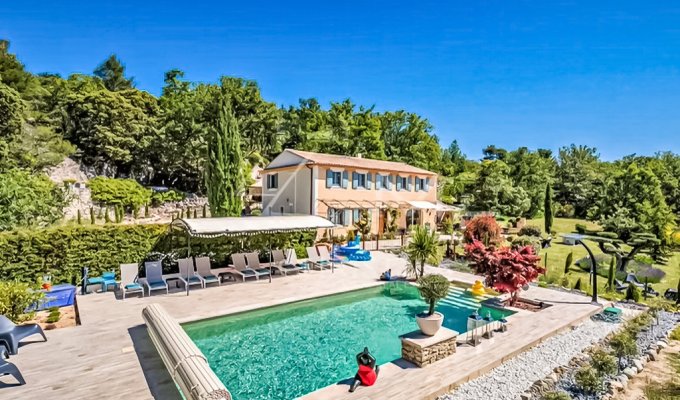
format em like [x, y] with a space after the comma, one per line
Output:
[197, 269]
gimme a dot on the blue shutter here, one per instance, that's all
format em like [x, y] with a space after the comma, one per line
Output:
[378, 181]
[427, 184]
[389, 181]
[410, 183]
[355, 215]
[398, 182]
[369, 182]
[345, 217]
[329, 178]
[344, 179]
[355, 180]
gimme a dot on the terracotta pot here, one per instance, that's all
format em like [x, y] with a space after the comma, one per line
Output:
[429, 324]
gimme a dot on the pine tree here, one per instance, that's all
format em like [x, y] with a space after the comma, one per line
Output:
[112, 74]
[548, 209]
[224, 177]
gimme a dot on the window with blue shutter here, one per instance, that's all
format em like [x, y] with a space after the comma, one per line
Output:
[369, 181]
[345, 175]
[410, 183]
[329, 178]
[427, 184]
[355, 180]
[378, 181]
[345, 216]
[400, 182]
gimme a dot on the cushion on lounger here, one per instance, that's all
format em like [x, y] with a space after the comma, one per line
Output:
[159, 284]
[210, 277]
[133, 286]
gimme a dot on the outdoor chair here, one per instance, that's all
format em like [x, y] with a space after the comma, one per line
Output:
[291, 259]
[671, 294]
[7, 368]
[128, 279]
[154, 277]
[239, 262]
[325, 255]
[187, 274]
[620, 286]
[315, 260]
[203, 270]
[254, 264]
[11, 334]
[281, 265]
[631, 278]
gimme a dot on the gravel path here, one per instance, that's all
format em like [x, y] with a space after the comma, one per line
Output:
[514, 377]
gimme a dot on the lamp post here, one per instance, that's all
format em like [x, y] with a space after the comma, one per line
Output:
[593, 269]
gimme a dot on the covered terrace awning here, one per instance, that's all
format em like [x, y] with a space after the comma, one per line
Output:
[383, 204]
[241, 226]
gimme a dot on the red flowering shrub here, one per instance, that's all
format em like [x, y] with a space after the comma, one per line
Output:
[483, 228]
[506, 269]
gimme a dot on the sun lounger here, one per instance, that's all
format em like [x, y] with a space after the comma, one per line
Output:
[325, 255]
[7, 368]
[254, 264]
[11, 334]
[315, 260]
[291, 259]
[187, 274]
[239, 262]
[281, 265]
[154, 277]
[128, 279]
[203, 270]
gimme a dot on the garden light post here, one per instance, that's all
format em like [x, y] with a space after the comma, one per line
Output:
[593, 268]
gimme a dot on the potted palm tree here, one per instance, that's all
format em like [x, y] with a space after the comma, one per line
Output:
[433, 288]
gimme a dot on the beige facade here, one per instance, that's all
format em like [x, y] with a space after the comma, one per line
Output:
[338, 187]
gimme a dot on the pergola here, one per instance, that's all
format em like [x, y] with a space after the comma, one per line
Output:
[246, 226]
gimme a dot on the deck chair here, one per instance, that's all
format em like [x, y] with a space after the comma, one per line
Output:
[154, 277]
[203, 270]
[128, 279]
[325, 255]
[620, 286]
[281, 265]
[187, 274]
[11, 334]
[254, 264]
[7, 368]
[315, 260]
[239, 262]
[291, 259]
[631, 278]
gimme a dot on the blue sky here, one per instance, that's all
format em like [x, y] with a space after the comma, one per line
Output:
[519, 73]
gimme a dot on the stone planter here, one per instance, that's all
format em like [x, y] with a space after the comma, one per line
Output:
[430, 324]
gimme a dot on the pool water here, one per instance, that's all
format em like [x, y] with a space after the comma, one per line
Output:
[287, 351]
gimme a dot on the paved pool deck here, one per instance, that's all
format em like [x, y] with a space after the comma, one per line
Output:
[110, 356]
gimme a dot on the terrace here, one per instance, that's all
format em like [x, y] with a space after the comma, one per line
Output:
[111, 351]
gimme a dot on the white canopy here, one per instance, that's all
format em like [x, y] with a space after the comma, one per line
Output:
[235, 226]
[425, 205]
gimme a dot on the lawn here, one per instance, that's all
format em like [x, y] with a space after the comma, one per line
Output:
[554, 257]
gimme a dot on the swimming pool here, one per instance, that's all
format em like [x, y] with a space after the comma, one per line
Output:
[287, 351]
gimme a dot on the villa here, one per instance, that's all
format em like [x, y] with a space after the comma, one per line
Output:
[339, 187]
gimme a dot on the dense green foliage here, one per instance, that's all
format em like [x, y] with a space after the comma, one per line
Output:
[119, 192]
[15, 298]
[28, 200]
[27, 255]
[588, 379]
[224, 172]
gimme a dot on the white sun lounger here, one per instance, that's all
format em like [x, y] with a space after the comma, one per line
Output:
[128, 279]
[187, 274]
[254, 264]
[281, 265]
[240, 268]
[315, 260]
[203, 271]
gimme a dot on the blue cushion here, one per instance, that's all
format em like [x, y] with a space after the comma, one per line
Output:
[109, 275]
[133, 286]
[158, 284]
[210, 277]
[193, 279]
[95, 280]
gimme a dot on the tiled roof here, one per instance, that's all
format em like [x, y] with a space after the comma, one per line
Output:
[357, 162]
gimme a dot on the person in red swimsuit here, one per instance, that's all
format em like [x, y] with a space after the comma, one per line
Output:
[368, 371]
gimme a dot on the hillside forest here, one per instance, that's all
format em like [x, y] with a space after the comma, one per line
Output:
[116, 130]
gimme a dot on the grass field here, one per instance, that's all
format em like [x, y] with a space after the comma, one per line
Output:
[554, 257]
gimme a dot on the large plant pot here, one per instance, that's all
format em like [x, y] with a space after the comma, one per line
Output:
[430, 324]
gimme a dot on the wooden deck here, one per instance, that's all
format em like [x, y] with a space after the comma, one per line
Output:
[110, 355]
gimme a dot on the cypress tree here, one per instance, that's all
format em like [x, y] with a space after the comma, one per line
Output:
[92, 216]
[548, 209]
[107, 218]
[568, 261]
[205, 211]
[195, 213]
[610, 274]
[146, 210]
[181, 213]
[80, 218]
[224, 178]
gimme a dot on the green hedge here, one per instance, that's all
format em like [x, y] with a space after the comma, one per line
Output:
[26, 255]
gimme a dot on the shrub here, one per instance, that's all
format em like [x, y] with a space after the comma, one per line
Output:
[118, 192]
[28, 200]
[588, 380]
[632, 293]
[565, 211]
[522, 241]
[623, 345]
[568, 262]
[577, 285]
[603, 362]
[483, 228]
[169, 196]
[564, 282]
[530, 230]
[556, 396]
[15, 298]
[433, 288]
[675, 334]
[582, 229]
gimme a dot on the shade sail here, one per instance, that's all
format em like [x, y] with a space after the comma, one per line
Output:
[235, 226]
[423, 205]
